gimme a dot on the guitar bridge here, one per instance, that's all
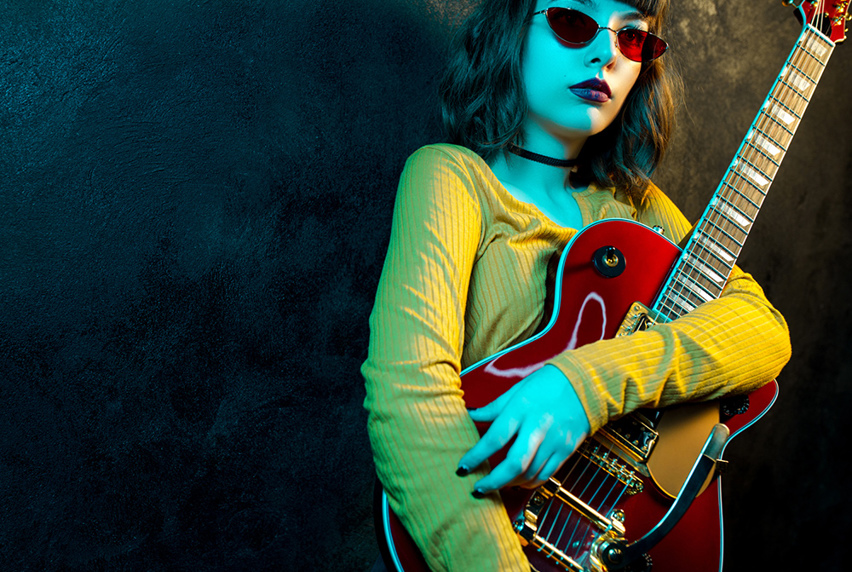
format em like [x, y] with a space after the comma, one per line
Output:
[603, 457]
[528, 524]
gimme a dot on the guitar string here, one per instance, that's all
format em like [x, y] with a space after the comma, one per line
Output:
[763, 164]
[580, 496]
[600, 507]
[580, 520]
[556, 518]
[754, 158]
[749, 155]
[561, 504]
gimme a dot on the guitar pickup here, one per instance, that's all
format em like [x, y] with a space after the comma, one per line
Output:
[632, 438]
[638, 319]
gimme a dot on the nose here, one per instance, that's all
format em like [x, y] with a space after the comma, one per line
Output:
[603, 48]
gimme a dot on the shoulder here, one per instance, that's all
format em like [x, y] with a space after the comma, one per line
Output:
[444, 154]
[443, 168]
[443, 178]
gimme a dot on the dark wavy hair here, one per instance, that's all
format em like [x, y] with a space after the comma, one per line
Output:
[484, 103]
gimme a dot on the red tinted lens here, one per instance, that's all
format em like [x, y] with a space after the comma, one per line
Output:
[574, 27]
[571, 26]
[640, 46]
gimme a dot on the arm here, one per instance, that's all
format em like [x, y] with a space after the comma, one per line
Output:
[731, 345]
[418, 424]
[734, 344]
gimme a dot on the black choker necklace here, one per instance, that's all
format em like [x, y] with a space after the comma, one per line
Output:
[541, 158]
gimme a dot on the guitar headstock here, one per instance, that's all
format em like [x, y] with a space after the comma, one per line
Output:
[827, 16]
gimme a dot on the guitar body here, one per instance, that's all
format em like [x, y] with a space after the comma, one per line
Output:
[622, 481]
[589, 306]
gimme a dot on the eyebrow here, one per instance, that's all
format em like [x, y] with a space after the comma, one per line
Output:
[635, 15]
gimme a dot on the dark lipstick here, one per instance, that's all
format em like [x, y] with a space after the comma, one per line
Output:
[594, 89]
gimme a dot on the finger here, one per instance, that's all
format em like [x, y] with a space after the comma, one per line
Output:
[492, 410]
[531, 475]
[517, 461]
[500, 433]
[551, 468]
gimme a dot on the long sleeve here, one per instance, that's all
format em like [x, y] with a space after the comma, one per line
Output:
[465, 276]
[418, 425]
[733, 344]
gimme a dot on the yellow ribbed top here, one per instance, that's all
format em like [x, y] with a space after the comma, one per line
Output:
[464, 278]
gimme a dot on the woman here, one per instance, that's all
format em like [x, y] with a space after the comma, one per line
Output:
[550, 134]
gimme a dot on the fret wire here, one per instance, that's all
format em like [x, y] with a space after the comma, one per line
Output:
[699, 285]
[754, 147]
[723, 231]
[688, 301]
[751, 218]
[668, 302]
[751, 159]
[813, 63]
[786, 91]
[669, 312]
[673, 312]
[675, 285]
[716, 255]
[814, 70]
[781, 146]
[697, 263]
[784, 105]
[807, 75]
[793, 88]
[686, 268]
[744, 178]
[819, 38]
[800, 67]
[779, 124]
[756, 168]
[712, 238]
[718, 264]
[734, 246]
[765, 129]
[679, 304]
[790, 99]
[810, 53]
[768, 157]
[729, 219]
[807, 52]
[740, 193]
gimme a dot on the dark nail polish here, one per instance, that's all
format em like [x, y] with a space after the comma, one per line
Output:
[462, 471]
[478, 494]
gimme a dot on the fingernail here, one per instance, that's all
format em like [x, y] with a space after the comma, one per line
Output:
[462, 471]
[478, 494]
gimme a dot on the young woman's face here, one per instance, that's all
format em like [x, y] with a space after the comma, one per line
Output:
[575, 92]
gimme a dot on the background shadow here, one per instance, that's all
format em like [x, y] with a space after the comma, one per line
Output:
[195, 200]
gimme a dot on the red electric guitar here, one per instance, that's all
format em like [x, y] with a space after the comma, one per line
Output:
[644, 490]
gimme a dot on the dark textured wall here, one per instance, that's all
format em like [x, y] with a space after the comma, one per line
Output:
[194, 203]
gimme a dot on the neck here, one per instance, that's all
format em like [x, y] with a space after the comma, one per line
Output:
[513, 170]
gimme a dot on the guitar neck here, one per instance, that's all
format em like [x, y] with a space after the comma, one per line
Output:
[717, 239]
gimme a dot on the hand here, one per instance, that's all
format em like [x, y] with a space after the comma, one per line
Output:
[545, 414]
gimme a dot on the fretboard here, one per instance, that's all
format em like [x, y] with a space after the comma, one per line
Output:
[718, 237]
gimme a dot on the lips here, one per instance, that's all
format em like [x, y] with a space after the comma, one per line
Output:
[594, 89]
